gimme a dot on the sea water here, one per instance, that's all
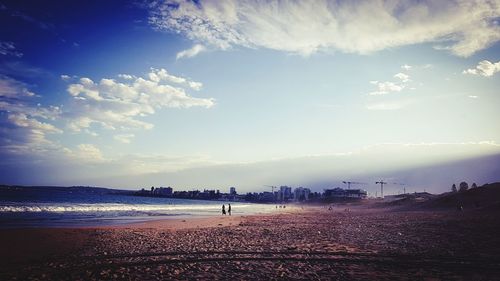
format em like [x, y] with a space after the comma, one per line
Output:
[80, 206]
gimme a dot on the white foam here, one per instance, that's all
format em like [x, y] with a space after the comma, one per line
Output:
[113, 207]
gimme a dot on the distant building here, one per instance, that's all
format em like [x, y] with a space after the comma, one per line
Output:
[163, 191]
[301, 194]
[169, 190]
[340, 193]
[266, 196]
[206, 194]
[285, 193]
[232, 190]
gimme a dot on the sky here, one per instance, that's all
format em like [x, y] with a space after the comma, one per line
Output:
[213, 94]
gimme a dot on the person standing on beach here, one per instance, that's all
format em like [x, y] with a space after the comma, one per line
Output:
[223, 209]
[229, 209]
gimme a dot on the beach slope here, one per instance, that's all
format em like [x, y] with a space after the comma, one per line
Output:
[313, 243]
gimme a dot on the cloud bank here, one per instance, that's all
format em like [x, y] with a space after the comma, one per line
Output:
[398, 162]
[119, 105]
[24, 125]
[307, 27]
[28, 129]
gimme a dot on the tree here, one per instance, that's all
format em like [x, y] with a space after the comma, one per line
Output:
[453, 188]
[473, 185]
[463, 186]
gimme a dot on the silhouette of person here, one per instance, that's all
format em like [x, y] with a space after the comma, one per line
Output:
[223, 209]
[229, 209]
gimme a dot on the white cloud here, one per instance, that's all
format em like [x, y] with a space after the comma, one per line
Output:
[22, 120]
[125, 138]
[24, 127]
[90, 151]
[27, 127]
[304, 27]
[11, 88]
[126, 76]
[158, 75]
[87, 153]
[9, 49]
[25, 134]
[191, 52]
[473, 97]
[406, 67]
[65, 77]
[403, 77]
[484, 68]
[120, 105]
[387, 87]
[384, 88]
[195, 85]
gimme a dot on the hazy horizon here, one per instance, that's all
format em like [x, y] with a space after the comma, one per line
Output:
[188, 94]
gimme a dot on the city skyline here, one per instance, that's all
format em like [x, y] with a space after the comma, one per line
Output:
[249, 93]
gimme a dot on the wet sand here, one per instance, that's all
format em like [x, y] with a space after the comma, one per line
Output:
[317, 244]
[184, 223]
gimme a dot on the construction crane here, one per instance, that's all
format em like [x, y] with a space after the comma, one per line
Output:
[381, 182]
[272, 187]
[351, 182]
[404, 187]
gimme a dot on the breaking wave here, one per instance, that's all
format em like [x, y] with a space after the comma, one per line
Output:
[94, 208]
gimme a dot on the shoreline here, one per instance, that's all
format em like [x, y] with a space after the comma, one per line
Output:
[168, 220]
[95, 220]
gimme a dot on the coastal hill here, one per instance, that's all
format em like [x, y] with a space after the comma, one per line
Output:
[27, 193]
[481, 198]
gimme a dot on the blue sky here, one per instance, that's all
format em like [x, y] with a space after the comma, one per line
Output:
[247, 93]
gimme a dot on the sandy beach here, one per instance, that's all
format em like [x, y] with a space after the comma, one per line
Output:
[310, 243]
[250, 140]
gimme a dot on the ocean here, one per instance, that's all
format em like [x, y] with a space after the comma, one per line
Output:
[84, 206]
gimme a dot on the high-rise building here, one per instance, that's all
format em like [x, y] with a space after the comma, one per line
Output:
[232, 190]
[164, 191]
[284, 193]
[301, 194]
